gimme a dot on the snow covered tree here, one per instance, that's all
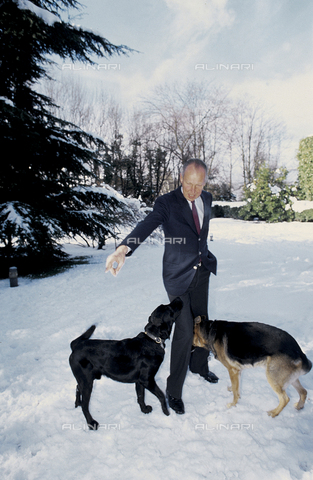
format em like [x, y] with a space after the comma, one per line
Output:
[46, 178]
[268, 197]
[305, 169]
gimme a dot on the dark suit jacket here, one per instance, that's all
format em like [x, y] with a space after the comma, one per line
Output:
[183, 246]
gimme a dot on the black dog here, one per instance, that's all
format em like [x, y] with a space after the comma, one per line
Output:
[133, 360]
[238, 345]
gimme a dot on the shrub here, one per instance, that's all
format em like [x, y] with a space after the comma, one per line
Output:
[305, 157]
[305, 216]
[226, 211]
[268, 197]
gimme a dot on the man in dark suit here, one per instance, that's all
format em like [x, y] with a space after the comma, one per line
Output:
[184, 215]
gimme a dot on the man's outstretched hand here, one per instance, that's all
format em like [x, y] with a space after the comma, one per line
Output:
[116, 260]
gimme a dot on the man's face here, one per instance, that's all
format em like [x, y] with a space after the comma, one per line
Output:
[193, 182]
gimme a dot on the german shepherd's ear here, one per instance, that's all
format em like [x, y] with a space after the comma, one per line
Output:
[197, 319]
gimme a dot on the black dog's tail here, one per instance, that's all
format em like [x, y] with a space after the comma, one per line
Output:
[84, 336]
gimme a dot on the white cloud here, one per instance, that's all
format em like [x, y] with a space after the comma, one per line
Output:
[291, 99]
[197, 16]
[190, 25]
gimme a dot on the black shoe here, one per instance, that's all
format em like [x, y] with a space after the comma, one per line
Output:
[176, 404]
[211, 377]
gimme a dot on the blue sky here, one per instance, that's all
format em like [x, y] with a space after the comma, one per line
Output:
[260, 48]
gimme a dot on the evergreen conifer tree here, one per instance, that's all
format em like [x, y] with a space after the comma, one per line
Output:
[46, 181]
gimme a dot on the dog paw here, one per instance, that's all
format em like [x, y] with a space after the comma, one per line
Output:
[93, 425]
[272, 413]
[232, 404]
[146, 409]
[299, 405]
[166, 411]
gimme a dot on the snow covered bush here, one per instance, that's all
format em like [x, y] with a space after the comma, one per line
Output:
[268, 197]
[305, 216]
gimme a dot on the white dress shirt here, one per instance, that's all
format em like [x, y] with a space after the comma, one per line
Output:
[200, 208]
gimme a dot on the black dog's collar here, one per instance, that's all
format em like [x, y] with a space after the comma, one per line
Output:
[156, 339]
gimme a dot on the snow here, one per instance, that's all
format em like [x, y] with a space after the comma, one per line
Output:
[228, 204]
[297, 205]
[7, 101]
[265, 274]
[275, 189]
[48, 17]
[17, 214]
[103, 189]
[301, 205]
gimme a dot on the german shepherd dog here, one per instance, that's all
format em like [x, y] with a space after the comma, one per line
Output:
[238, 345]
[132, 360]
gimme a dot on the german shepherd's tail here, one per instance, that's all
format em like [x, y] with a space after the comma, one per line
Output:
[306, 364]
[84, 336]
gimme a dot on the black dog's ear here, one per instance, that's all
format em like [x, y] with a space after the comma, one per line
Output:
[157, 316]
[153, 329]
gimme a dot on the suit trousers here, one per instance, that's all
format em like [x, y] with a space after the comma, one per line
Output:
[195, 303]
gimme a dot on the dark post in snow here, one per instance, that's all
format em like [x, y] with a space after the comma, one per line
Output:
[13, 277]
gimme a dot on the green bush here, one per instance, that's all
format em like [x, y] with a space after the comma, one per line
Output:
[268, 197]
[305, 216]
[305, 157]
[225, 211]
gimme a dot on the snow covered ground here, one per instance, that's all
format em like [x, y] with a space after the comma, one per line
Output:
[265, 274]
